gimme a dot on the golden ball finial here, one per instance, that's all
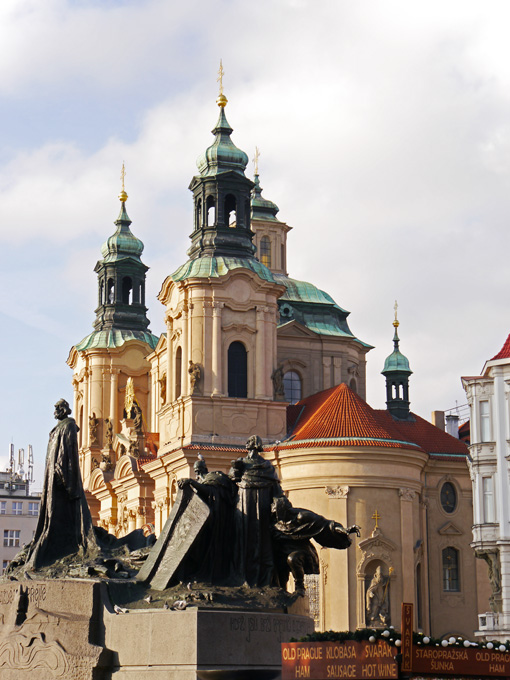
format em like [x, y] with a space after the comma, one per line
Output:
[123, 197]
[222, 101]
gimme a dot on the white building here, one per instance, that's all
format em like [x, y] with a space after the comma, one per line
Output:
[19, 511]
[489, 401]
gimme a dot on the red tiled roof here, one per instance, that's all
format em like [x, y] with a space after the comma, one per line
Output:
[427, 436]
[504, 352]
[340, 417]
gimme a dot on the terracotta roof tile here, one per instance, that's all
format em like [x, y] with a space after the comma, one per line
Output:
[340, 417]
[427, 436]
[504, 352]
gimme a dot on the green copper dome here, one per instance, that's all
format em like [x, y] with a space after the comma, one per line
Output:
[396, 362]
[261, 208]
[206, 267]
[223, 155]
[122, 243]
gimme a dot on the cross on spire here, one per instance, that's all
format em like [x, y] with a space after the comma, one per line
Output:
[219, 79]
[256, 160]
[377, 517]
[395, 307]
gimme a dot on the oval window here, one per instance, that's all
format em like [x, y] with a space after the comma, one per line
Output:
[448, 497]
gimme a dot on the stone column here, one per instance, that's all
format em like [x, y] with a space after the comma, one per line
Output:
[114, 398]
[185, 355]
[207, 349]
[270, 360]
[337, 370]
[407, 538]
[260, 354]
[86, 408]
[217, 367]
[169, 360]
[326, 373]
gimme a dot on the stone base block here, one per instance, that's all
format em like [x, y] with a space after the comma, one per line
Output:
[67, 629]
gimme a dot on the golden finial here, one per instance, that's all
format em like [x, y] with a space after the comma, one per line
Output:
[256, 160]
[222, 100]
[377, 517]
[123, 196]
[396, 322]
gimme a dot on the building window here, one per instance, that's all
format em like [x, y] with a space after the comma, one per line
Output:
[230, 210]
[211, 211]
[448, 497]
[237, 371]
[17, 508]
[488, 499]
[485, 423]
[33, 509]
[11, 538]
[127, 290]
[265, 251]
[451, 581]
[292, 386]
[3, 507]
[5, 564]
[178, 369]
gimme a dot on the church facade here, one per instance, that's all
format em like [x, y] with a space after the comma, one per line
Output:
[250, 350]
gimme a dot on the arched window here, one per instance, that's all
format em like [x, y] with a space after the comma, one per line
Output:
[230, 210]
[110, 295]
[198, 214]
[451, 580]
[292, 386]
[127, 290]
[353, 385]
[178, 369]
[211, 211]
[265, 251]
[237, 370]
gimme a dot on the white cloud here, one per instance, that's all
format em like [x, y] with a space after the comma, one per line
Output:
[384, 138]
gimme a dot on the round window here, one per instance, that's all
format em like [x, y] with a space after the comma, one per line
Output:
[448, 497]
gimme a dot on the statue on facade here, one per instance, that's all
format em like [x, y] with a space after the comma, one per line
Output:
[162, 388]
[292, 530]
[134, 449]
[377, 599]
[137, 416]
[277, 378]
[108, 438]
[93, 425]
[257, 484]
[129, 398]
[194, 376]
[65, 525]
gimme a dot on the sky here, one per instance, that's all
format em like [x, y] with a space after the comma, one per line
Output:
[384, 133]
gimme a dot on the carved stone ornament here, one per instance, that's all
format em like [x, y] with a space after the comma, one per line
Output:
[337, 491]
[407, 494]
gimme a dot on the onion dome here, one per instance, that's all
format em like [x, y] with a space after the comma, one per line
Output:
[262, 208]
[223, 154]
[122, 243]
[396, 362]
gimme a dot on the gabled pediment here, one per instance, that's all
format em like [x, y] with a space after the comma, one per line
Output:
[449, 529]
[377, 541]
[295, 329]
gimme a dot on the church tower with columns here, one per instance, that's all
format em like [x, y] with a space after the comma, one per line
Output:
[114, 352]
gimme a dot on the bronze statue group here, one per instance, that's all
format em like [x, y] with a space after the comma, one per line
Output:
[224, 529]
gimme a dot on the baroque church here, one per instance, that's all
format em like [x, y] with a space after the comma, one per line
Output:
[250, 350]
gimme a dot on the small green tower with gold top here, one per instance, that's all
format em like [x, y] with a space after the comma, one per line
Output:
[397, 371]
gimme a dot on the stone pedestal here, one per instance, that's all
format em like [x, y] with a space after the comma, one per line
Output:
[68, 629]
